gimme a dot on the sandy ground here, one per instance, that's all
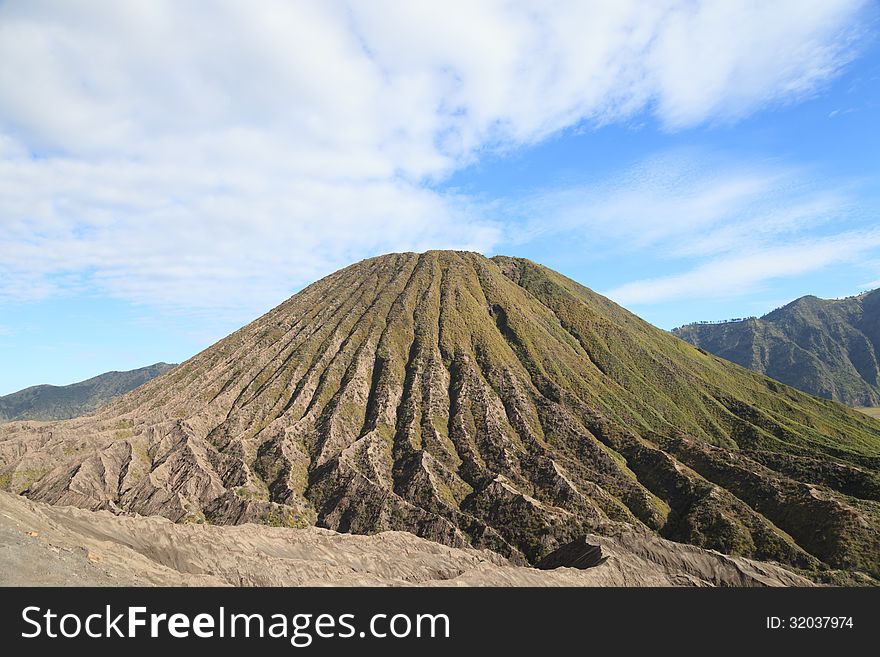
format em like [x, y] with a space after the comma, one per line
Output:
[49, 545]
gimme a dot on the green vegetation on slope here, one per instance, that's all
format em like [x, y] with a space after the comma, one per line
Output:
[829, 348]
[46, 402]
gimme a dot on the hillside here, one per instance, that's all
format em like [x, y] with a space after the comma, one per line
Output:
[485, 403]
[45, 402]
[827, 347]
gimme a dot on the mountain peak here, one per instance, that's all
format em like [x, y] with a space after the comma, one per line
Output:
[827, 347]
[49, 402]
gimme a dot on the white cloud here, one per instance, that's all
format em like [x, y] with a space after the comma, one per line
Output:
[220, 155]
[722, 58]
[224, 238]
[741, 272]
[685, 203]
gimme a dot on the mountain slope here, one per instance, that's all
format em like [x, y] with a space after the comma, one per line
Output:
[476, 402]
[47, 402]
[827, 347]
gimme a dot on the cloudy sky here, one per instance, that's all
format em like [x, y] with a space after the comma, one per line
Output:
[170, 170]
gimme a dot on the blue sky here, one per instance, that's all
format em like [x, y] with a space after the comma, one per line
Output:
[168, 174]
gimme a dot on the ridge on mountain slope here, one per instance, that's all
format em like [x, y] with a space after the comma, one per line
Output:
[47, 402]
[479, 402]
[827, 347]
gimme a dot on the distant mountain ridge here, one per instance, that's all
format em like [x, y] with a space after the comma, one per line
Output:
[47, 402]
[827, 347]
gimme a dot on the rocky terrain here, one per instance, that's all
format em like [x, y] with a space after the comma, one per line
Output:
[47, 402]
[827, 347]
[486, 404]
[50, 545]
